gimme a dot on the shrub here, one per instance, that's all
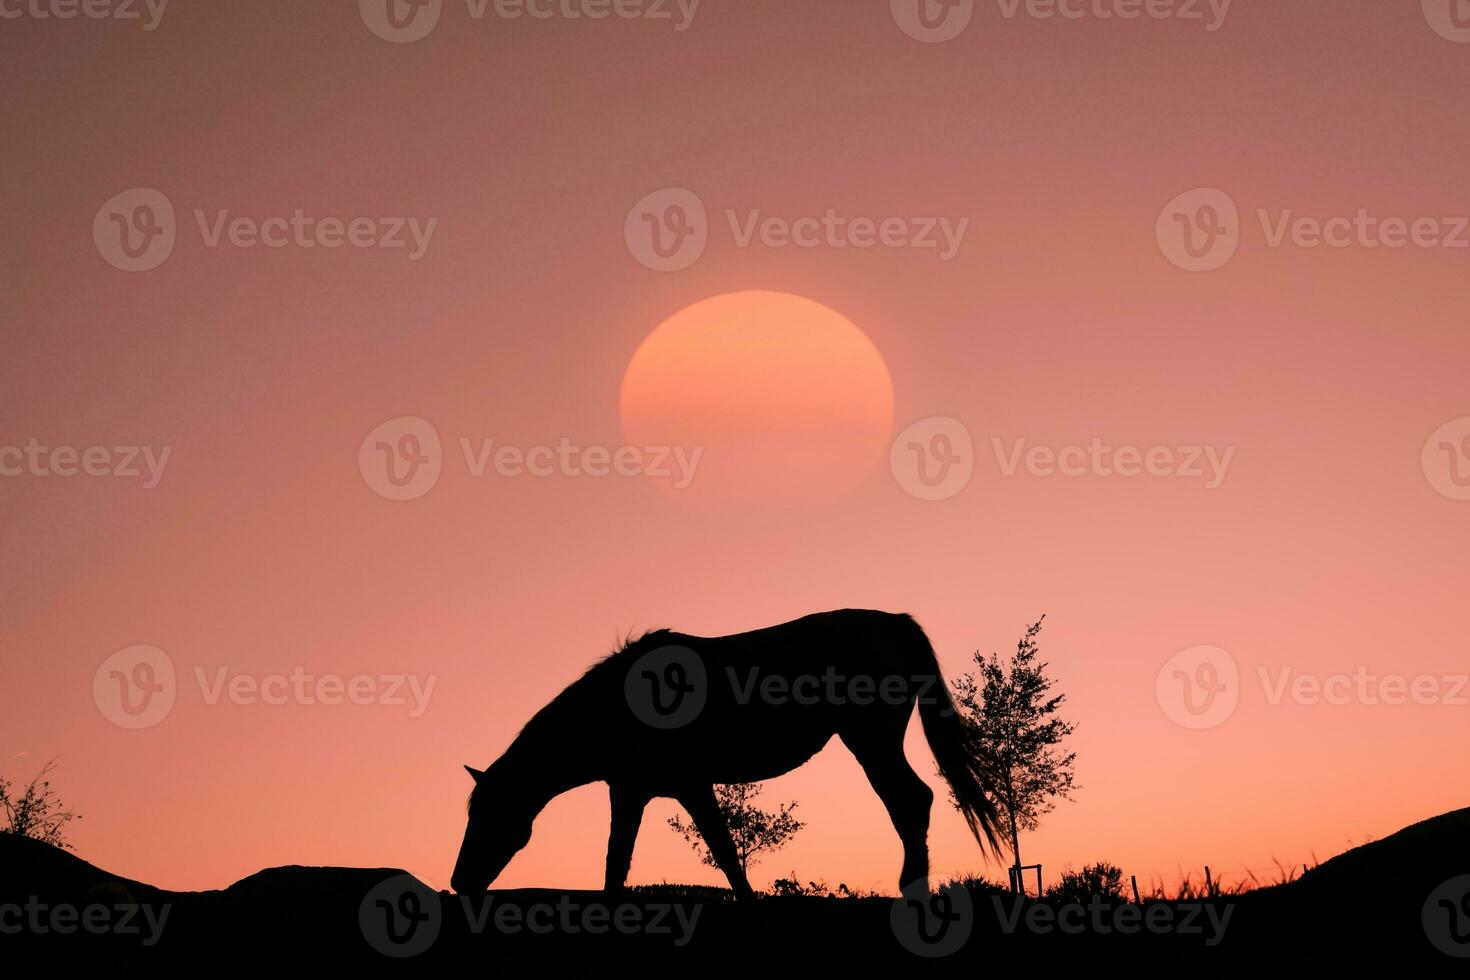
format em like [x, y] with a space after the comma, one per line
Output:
[1101, 880]
[37, 812]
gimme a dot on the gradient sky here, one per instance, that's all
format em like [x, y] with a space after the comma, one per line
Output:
[1326, 549]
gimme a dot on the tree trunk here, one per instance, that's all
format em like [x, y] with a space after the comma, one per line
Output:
[1019, 885]
[1016, 849]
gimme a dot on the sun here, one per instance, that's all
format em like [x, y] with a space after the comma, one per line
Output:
[782, 397]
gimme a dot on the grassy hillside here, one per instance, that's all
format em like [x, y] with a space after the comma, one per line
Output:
[1364, 908]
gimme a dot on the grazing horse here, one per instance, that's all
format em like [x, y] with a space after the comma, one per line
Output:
[672, 715]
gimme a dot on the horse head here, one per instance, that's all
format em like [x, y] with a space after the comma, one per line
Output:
[499, 826]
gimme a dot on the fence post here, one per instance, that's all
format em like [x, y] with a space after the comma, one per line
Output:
[1018, 878]
[1209, 883]
[1135, 890]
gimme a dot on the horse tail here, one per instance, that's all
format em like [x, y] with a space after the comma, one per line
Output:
[962, 765]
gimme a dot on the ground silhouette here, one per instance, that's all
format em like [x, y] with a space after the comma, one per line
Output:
[1365, 908]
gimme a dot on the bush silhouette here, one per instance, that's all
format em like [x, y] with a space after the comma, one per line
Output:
[36, 812]
[1101, 880]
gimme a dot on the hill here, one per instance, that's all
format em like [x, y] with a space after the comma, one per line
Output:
[1364, 908]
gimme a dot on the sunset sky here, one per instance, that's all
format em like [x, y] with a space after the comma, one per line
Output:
[987, 241]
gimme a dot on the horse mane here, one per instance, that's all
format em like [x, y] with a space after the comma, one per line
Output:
[639, 646]
[630, 649]
[548, 718]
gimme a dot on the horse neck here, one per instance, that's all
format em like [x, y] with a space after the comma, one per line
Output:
[545, 761]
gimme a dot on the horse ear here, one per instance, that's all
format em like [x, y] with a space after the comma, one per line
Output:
[476, 774]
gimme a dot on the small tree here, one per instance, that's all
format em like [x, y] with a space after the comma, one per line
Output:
[755, 831]
[1011, 718]
[37, 812]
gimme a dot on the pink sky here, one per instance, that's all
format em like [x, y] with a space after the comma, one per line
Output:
[1326, 548]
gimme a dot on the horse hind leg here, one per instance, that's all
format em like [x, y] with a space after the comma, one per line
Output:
[907, 798]
[716, 833]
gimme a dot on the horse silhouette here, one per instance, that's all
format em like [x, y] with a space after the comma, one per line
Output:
[671, 715]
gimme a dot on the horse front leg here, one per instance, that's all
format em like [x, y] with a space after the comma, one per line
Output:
[627, 814]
